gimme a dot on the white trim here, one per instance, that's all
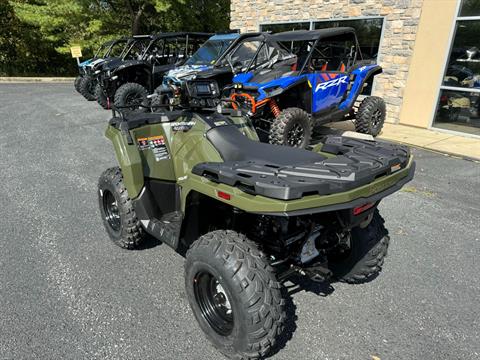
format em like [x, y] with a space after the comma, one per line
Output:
[350, 18]
[313, 20]
[445, 63]
[462, 89]
[286, 22]
[460, 18]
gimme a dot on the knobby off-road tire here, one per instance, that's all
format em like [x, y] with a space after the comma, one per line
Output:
[249, 286]
[117, 211]
[371, 116]
[131, 94]
[76, 83]
[100, 96]
[292, 127]
[87, 87]
[368, 249]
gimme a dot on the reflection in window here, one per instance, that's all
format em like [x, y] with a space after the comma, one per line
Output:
[274, 28]
[464, 63]
[369, 32]
[458, 111]
[470, 8]
[459, 102]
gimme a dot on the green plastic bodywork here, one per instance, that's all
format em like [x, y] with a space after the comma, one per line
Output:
[189, 148]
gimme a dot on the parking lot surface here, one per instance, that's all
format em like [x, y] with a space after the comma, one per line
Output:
[66, 292]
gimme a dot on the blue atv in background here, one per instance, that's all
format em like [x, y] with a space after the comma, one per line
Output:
[85, 82]
[319, 82]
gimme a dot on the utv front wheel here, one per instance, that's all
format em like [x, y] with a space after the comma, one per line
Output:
[76, 83]
[87, 87]
[130, 96]
[292, 128]
[101, 98]
[234, 294]
[117, 210]
[363, 261]
[371, 116]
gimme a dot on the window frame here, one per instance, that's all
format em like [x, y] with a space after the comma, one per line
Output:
[440, 86]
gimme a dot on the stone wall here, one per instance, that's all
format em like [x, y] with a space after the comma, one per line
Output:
[400, 27]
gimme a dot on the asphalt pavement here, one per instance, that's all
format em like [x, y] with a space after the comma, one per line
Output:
[66, 292]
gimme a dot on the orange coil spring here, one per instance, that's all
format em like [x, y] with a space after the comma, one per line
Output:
[274, 108]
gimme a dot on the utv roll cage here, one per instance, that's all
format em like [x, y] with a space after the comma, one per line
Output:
[268, 40]
[315, 36]
[237, 40]
[188, 36]
[108, 46]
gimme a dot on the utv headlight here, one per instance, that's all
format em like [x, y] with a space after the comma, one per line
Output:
[98, 72]
[273, 91]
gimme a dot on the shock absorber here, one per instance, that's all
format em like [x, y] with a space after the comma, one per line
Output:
[274, 108]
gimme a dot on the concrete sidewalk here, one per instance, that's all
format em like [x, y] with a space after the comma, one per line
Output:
[455, 145]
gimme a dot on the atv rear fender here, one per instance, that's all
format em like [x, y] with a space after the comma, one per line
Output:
[239, 199]
[361, 75]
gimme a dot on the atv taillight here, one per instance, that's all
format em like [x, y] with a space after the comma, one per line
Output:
[360, 209]
[223, 195]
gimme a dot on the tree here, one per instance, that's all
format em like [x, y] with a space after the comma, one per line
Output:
[41, 32]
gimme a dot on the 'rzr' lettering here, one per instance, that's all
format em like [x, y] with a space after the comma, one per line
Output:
[334, 82]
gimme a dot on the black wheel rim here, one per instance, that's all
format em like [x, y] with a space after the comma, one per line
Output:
[133, 100]
[376, 118]
[296, 135]
[110, 208]
[214, 304]
[91, 87]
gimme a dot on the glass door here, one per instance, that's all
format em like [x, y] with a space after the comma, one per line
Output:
[458, 107]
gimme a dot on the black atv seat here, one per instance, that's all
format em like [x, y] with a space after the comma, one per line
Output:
[234, 146]
[286, 173]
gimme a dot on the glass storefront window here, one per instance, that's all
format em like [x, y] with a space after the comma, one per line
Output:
[274, 28]
[369, 32]
[463, 69]
[458, 107]
[458, 111]
[470, 8]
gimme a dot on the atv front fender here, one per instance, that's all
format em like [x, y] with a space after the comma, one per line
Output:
[361, 75]
[129, 160]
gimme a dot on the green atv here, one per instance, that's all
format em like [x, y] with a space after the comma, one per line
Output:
[247, 215]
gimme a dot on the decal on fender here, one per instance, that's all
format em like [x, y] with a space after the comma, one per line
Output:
[334, 82]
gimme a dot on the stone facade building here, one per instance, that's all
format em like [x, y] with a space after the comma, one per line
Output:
[415, 42]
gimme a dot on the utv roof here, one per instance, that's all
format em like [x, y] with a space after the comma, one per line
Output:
[234, 36]
[180, 34]
[308, 35]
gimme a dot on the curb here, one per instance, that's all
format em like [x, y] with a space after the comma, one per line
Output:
[28, 80]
